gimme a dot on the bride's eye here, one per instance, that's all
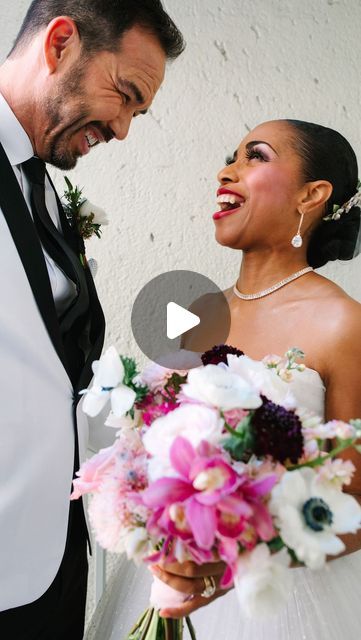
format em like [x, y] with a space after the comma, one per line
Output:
[255, 154]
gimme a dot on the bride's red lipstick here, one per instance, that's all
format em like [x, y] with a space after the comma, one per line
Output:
[231, 198]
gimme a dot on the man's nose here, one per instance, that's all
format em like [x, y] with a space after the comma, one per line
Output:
[121, 125]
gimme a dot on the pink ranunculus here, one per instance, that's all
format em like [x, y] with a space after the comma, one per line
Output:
[234, 416]
[92, 472]
[155, 377]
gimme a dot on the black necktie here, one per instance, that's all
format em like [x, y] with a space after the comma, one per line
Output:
[52, 240]
[72, 322]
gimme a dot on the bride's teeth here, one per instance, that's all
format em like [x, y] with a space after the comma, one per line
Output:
[230, 199]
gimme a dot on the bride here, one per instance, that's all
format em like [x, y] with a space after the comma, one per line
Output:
[281, 200]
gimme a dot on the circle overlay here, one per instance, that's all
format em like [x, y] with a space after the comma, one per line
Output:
[193, 292]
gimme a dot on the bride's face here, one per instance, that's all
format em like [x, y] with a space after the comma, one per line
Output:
[260, 189]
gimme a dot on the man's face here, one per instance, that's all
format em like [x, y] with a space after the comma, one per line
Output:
[95, 101]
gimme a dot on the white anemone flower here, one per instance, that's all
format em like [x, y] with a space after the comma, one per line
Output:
[216, 386]
[263, 581]
[108, 385]
[310, 513]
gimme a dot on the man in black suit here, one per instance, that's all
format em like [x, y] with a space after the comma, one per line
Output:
[78, 73]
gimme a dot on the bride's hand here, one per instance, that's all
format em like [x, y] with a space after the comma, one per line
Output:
[189, 578]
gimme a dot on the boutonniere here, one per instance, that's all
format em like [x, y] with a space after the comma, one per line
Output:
[84, 217]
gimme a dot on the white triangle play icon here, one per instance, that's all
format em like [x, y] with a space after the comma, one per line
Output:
[179, 320]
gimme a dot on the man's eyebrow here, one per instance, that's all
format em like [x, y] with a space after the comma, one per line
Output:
[132, 87]
[253, 143]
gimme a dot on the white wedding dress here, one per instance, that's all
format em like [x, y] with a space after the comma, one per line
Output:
[324, 605]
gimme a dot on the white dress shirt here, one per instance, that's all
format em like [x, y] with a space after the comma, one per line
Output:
[18, 149]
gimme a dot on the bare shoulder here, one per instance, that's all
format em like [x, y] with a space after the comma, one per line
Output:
[340, 313]
[339, 329]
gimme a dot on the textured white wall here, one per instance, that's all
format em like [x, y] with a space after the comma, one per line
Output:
[246, 62]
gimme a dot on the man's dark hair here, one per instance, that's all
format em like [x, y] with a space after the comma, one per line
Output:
[102, 23]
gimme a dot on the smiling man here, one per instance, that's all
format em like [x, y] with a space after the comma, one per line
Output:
[78, 73]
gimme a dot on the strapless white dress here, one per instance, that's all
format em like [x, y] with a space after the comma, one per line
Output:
[324, 605]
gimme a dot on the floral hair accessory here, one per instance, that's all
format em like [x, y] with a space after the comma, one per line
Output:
[338, 210]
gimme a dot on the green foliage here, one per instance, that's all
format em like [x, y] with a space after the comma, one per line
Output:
[276, 544]
[174, 384]
[73, 202]
[240, 444]
[130, 372]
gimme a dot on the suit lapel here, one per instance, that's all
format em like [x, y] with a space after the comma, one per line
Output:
[25, 238]
[97, 321]
[23, 232]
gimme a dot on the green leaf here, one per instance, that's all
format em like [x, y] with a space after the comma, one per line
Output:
[293, 556]
[130, 369]
[276, 544]
[241, 440]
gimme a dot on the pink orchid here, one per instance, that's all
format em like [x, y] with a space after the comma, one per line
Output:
[208, 498]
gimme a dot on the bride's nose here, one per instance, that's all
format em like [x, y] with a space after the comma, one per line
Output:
[228, 174]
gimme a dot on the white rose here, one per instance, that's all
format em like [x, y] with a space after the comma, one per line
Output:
[264, 380]
[263, 581]
[310, 513]
[218, 387]
[88, 208]
[193, 422]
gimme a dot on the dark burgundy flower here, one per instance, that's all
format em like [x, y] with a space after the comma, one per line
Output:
[277, 432]
[219, 354]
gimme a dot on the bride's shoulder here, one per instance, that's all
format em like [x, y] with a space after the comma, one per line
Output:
[331, 296]
[340, 315]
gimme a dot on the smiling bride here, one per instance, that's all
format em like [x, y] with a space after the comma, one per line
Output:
[288, 200]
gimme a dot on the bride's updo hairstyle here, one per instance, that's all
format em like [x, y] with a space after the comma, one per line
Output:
[327, 155]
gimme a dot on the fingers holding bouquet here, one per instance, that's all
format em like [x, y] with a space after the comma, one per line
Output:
[200, 585]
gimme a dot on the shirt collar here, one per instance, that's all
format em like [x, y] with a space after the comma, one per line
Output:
[13, 137]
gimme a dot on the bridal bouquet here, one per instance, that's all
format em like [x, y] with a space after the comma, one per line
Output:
[218, 463]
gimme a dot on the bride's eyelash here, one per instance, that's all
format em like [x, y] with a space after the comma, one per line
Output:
[253, 153]
[229, 160]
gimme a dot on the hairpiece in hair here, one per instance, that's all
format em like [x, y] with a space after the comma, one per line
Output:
[338, 210]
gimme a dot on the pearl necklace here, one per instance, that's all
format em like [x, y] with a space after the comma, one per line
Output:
[275, 287]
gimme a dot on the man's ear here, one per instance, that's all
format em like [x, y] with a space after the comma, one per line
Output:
[61, 40]
[315, 195]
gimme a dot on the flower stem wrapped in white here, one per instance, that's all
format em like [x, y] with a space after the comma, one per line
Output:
[216, 386]
[310, 513]
[263, 581]
[107, 384]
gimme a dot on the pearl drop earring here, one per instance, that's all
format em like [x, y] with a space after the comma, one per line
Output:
[297, 241]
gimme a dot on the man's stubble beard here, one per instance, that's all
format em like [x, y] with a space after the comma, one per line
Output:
[65, 122]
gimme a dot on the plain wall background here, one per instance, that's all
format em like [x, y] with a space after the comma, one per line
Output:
[246, 62]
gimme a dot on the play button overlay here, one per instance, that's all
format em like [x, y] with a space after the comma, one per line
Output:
[177, 316]
[179, 320]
